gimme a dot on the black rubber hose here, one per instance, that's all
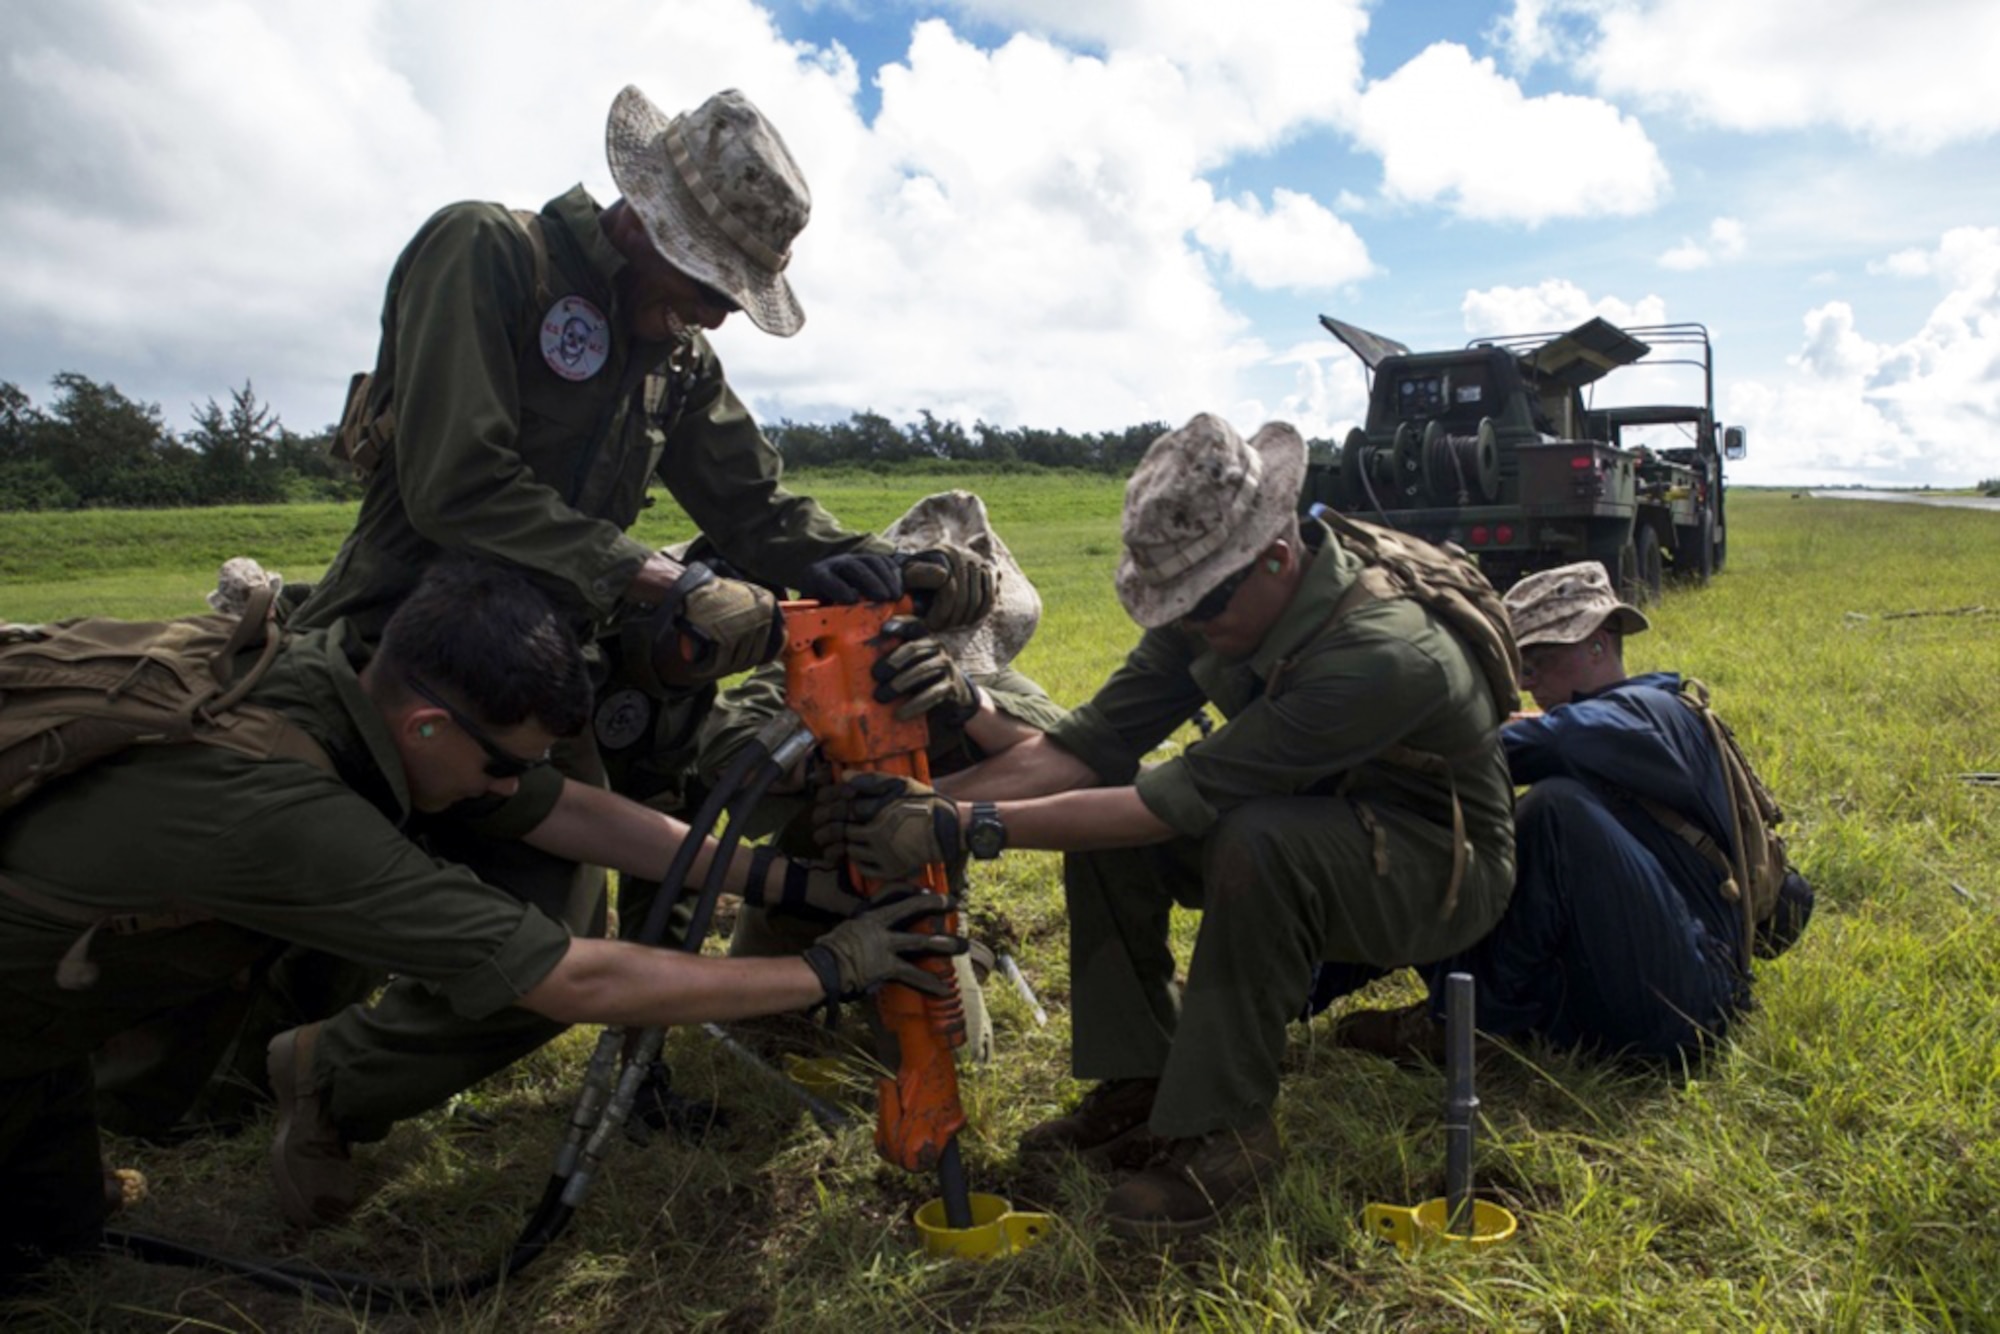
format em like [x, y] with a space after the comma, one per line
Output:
[732, 838]
[674, 882]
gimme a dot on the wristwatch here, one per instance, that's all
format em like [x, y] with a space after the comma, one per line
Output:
[985, 835]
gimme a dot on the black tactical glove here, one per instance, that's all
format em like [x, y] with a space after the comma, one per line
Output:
[872, 947]
[858, 576]
[708, 628]
[889, 828]
[815, 891]
[953, 587]
[921, 672]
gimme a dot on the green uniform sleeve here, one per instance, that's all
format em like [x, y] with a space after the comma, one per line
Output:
[516, 816]
[356, 887]
[458, 414]
[1149, 695]
[1376, 685]
[1022, 698]
[728, 477]
[285, 849]
[735, 717]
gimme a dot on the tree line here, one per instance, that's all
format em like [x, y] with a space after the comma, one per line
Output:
[90, 446]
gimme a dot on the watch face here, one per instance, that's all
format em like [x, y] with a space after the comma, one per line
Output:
[986, 837]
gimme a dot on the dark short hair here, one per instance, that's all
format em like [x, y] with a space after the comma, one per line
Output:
[486, 635]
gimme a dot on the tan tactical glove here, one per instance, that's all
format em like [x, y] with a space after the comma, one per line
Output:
[953, 588]
[709, 627]
[873, 947]
[888, 828]
[923, 674]
[816, 891]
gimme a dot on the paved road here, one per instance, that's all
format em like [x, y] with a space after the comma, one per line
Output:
[1913, 498]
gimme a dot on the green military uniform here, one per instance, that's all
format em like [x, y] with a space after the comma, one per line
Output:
[498, 454]
[1296, 837]
[253, 853]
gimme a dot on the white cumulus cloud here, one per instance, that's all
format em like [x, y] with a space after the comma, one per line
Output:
[1913, 77]
[1725, 241]
[1555, 304]
[1926, 407]
[1453, 131]
[1295, 243]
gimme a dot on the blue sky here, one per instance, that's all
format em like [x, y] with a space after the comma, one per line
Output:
[1048, 213]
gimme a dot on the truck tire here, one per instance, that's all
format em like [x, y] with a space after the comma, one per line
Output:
[1705, 550]
[1646, 565]
[1623, 571]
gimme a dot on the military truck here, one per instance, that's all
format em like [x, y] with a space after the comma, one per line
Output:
[1494, 446]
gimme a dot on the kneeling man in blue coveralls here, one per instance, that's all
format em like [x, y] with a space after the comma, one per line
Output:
[1621, 938]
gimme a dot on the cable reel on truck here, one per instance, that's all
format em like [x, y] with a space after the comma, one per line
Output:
[1461, 469]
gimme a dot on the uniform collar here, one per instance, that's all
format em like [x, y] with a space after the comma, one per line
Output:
[578, 215]
[363, 749]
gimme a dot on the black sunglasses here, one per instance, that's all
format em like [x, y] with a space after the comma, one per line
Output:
[712, 298]
[1216, 601]
[500, 762]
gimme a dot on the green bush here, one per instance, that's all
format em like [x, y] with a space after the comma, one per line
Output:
[31, 484]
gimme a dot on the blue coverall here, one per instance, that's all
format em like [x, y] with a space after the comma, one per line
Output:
[1618, 937]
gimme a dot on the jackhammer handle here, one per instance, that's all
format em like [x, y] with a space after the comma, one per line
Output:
[830, 655]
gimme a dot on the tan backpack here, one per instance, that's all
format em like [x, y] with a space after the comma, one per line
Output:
[1446, 580]
[1776, 899]
[75, 692]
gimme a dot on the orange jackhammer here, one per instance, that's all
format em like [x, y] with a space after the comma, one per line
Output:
[830, 654]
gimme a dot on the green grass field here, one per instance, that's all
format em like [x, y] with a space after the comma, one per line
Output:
[1836, 1166]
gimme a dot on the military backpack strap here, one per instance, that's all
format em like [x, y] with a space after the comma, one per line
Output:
[1738, 877]
[75, 971]
[367, 426]
[1376, 583]
[1373, 584]
[1690, 833]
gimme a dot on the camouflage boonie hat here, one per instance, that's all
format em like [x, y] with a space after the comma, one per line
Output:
[1200, 505]
[958, 518]
[720, 196]
[1567, 604]
[239, 577]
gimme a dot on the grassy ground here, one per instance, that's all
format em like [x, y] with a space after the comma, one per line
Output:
[1833, 1168]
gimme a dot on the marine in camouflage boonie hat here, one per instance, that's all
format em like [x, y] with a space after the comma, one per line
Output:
[1567, 604]
[720, 196]
[958, 518]
[1200, 506]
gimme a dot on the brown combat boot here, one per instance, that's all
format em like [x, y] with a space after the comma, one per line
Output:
[310, 1166]
[1407, 1035]
[1186, 1189]
[1107, 1127]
